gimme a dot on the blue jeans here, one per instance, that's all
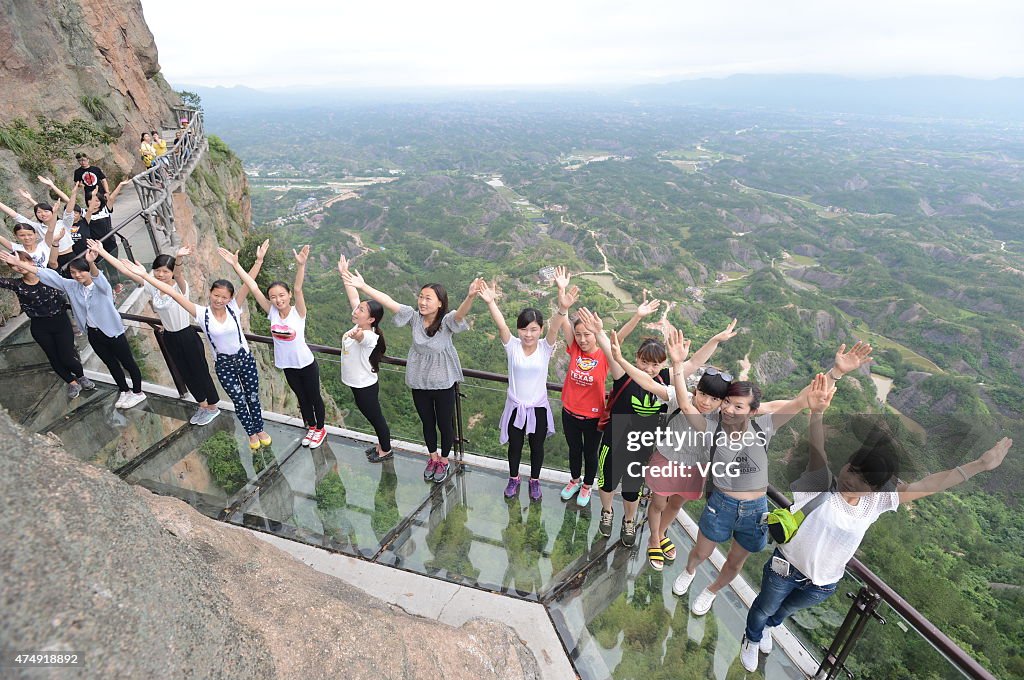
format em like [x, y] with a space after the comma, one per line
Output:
[780, 597]
[725, 517]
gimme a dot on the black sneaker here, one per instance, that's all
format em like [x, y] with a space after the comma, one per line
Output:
[628, 532]
[605, 527]
[380, 457]
[442, 471]
[371, 452]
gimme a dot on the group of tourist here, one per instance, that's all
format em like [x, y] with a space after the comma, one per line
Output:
[722, 424]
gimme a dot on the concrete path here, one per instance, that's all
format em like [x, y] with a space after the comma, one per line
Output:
[440, 600]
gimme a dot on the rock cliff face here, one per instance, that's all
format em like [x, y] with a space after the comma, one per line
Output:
[147, 587]
[93, 60]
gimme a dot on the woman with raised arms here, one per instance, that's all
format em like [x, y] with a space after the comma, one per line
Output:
[805, 571]
[184, 346]
[49, 325]
[527, 413]
[362, 347]
[669, 494]
[221, 320]
[291, 353]
[433, 368]
[92, 302]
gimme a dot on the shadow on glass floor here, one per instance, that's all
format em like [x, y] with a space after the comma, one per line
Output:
[623, 622]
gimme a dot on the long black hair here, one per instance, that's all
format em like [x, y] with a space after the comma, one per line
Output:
[442, 296]
[376, 311]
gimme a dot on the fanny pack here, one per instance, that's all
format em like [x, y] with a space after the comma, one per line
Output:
[783, 523]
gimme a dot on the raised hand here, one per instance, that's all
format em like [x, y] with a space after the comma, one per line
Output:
[301, 255]
[591, 321]
[487, 293]
[678, 346]
[993, 458]
[568, 297]
[133, 267]
[232, 257]
[26, 195]
[45, 180]
[95, 246]
[859, 355]
[12, 261]
[616, 347]
[353, 278]
[342, 265]
[183, 251]
[92, 254]
[727, 334]
[261, 250]
[819, 396]
[562, 277]
[646, 308]
[475, 286]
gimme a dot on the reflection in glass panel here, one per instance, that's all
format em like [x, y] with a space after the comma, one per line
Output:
[624, 622]
[469, 533]
[21, 356]
[110, 437]
[212, 467]
[332, 496]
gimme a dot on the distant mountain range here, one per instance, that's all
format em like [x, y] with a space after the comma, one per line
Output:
[917, 96]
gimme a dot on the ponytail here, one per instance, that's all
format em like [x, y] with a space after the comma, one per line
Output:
[376, 310]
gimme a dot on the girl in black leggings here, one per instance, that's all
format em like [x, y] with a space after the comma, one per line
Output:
[362, 348]
[433, 370]
[44, 306]
[291, 353]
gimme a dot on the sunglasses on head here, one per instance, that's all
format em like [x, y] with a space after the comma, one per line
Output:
[711, 370]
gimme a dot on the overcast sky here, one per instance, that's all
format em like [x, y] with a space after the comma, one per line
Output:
[400, 43]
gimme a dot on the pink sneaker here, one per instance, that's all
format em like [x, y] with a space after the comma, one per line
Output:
[428, 472]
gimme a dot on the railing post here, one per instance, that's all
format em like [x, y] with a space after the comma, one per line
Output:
[459, 432]
[865, 602]
[179, 382]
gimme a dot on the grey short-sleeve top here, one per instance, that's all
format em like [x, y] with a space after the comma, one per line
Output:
[433, 362]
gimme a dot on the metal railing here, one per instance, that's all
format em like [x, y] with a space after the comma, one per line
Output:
[155, 185]
[872, 593]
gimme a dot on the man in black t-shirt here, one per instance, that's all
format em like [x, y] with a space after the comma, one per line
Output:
[89, 175]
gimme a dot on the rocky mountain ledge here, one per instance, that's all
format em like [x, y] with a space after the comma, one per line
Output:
[146, 587]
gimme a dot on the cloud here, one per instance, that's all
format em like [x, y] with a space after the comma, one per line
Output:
[461, 43]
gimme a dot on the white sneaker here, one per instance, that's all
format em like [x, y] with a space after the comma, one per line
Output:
[702, 604]
[120, 400]
[682, 582]
[308, 437]
[133, 399]
[766, 640]
[748, 654]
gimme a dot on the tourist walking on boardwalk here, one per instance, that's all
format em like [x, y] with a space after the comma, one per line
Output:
[433, 370]
[527, 413]
[221, 320]
[361, 350]
[181, 338]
